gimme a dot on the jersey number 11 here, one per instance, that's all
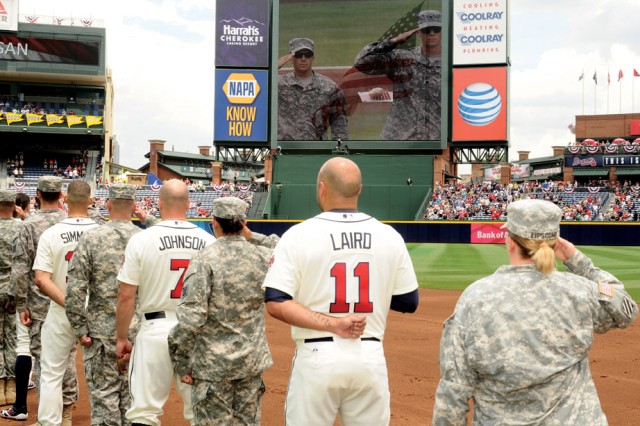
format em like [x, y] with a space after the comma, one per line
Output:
[339, 274]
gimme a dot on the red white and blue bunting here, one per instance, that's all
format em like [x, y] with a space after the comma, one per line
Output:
[630, 148]
[242, 187]
[592, 149]
[611, 149]
[155, 186]
[573, 149]
[19, 185]
[569, 189]
[594, 189]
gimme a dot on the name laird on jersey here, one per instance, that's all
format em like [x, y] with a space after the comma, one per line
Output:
[170, 242]
[351, 241]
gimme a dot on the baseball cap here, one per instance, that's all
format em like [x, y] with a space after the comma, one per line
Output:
[50, 184]
[297, 44]
[429, 18]
[121, 191]
[7, 196]
[229, 208]
[534, 219]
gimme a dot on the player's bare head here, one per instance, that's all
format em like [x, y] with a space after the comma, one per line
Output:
[174, 197]
[339, 183]
[78, 193]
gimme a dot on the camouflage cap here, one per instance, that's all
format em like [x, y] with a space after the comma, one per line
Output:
[297, 44]
[50, 184]
[229, 208]
[121, 191]
[429, 18]
[534, 219]
[7, 196]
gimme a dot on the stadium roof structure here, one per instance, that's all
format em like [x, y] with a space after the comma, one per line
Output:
[181, 155]
[540, 160]
[596, 171]
[626, 172]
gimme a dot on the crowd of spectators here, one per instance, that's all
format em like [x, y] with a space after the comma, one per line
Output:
[596, 201]
[15, 166]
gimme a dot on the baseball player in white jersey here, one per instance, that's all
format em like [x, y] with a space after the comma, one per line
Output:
[334, 278]
[156, 260]
[55, 249]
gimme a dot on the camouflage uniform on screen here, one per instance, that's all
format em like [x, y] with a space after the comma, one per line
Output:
[306, 111]
[8, 231]
[92, 273]
[27, 295]
[220, 336]
[416, 107]
[519, 340]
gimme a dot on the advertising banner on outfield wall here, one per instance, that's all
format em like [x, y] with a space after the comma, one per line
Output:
[242, 33]
[488, 233]
[480, 32]
[33, 49]
[241, 105]
[9, 15]
[480, 104]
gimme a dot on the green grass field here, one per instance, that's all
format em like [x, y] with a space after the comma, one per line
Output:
[455, 266]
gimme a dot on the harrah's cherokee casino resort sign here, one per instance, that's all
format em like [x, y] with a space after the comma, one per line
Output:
[479, 32]
[241, 105]
[242, 33]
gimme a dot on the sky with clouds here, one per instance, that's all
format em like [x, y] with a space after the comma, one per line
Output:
[161, 53]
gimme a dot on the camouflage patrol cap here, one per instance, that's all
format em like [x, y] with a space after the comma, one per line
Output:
[229, 208]
[429, 18]
[121, 191]
[7, 196]
[50, 184]
[534, 219]
[297, 44]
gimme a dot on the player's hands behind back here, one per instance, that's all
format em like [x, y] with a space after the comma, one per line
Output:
[350, 326]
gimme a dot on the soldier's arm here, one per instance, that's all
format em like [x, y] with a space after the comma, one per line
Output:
[259, 239]
[80, 275]
[457, 382]
[376, 58]
[21, 270]
[616, 309]
[192, 314]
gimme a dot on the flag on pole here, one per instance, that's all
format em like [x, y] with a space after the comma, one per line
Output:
[620, 75]
[582, 76]
[635, 73]
[595, 76]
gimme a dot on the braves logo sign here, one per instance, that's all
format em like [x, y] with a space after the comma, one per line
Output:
[584, 162]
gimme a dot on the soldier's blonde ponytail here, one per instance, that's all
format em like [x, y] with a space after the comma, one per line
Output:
[540, 251]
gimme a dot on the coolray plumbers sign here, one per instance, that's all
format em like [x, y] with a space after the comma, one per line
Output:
[241, 105]
[479, 32]
[242, 33]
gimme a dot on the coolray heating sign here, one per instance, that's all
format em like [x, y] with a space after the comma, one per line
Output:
[480, 110]
[480, 32]
[8, 15]
[242, 33]
[241, 105]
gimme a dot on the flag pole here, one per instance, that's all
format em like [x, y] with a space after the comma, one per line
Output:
[583, 91]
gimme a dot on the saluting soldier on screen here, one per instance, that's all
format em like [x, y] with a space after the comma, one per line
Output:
[308, 103]
[416, 76]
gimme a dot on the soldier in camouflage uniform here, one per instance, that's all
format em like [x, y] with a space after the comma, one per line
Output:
[219, 344]
[308, 103]
[30, 302]
[92, 273]
[8, 231]
[416, 76]
[518, 342]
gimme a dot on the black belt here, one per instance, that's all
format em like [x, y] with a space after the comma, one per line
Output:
[330, 339]
[154, 315]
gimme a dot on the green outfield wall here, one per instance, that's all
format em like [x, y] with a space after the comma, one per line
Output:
[386, 193]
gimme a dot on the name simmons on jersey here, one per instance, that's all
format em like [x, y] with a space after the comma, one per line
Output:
[351, 241]
[71, 236]
[171, 242]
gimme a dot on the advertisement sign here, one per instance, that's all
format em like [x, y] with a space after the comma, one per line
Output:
[602, 160]
[480, 104]
[9, 15]
[241, 105]
[548, 171]
[242, 33]
[488, 233]
[519, 171]
[46, 50]
[479, 32]
[492, 173]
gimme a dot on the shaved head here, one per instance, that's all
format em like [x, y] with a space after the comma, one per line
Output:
[174, 199]
[339, 184]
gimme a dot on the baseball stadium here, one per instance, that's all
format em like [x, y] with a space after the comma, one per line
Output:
[57, 102]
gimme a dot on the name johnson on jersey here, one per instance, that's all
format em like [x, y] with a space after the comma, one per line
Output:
[170, 242]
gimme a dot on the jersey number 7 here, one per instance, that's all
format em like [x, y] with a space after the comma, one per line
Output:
[176, 265]
[339, 274]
